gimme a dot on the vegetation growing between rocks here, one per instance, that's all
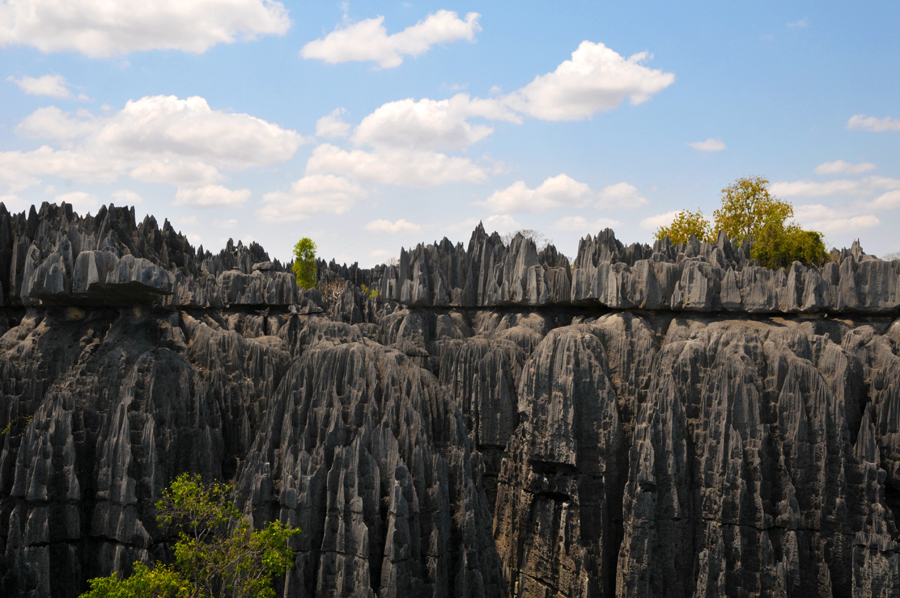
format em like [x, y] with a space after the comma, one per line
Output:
[305, 263]
[217, 552]
[750, 213]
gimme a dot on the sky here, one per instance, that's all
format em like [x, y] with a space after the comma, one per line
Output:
[371, 126]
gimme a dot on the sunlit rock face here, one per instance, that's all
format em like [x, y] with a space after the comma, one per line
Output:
[644, 421]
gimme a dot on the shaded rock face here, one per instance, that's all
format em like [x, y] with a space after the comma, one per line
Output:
[481, 436]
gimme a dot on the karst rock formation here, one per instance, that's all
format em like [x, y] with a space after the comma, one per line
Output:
[645, 421]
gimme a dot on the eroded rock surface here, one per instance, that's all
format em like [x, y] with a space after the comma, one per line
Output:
[498, 422]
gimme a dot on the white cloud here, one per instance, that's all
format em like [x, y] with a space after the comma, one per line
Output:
[14, 204]
[101, 29]
[54, 86]
[659, 220]
[312, 194]
[802, 23]
[19, 170]
[80, 200]
[870, 123]
[175, 170]
[596, 79]
[168, 125]
[368, 40]
[710, 145]
[395, 167]
[230, 223]
[806, 188]
[332, 125]
[52, 123]
[621, 196]
[154, 139]
[211, 196]
[560, 191]
[841, 167]
[386, 226]
[827, 219]
[127, 197]
[888, 201]
[580, 223]
[431, 124]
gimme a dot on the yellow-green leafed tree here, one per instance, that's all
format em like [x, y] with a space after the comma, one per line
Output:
[747, 206]
[749, 212]
[305, 263]
[218, 554]
[686, 223]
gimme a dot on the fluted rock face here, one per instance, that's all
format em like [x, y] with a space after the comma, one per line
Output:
[362, 450]
[700, 277]
[645, 421]
[741, 476]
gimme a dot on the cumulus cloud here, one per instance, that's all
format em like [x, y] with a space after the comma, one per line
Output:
[395, 167]
[54, 86]
[154, 139]
[431, 124]
[596, 79]
[828, 219]
[332, 125]
[315, 193]
[870, 123]
[212, 196]
[166, 124]
[582, 224]
[101, 29]
[368, 40]
[19, 170]
[887, 201]
[52, 123]
[659, 220]
[560, 191]
[128, 197]
[80, 200]
[841, 167]
[801, 24]
[710, 145]
[386, 226]
[621, 196]
[806, 188]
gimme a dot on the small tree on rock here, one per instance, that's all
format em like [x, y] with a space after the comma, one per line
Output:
[750, 213]
[305, 263]
[217, 554]
[686, 223]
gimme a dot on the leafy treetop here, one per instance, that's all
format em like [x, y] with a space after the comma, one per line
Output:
[217, 554]
[305, 263]
[749, 212]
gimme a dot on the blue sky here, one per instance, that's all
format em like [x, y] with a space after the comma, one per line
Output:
[369, 126]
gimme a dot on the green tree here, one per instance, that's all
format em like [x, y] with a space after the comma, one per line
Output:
[305, 263]
[750, 213]
[686, 223]
[747, 206]
[217, 554]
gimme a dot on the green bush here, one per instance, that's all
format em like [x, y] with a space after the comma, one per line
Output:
[686, 224]
[217, 553]
[750, 213]
[305, 263]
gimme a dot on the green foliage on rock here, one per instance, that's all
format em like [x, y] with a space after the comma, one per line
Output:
[686, 223]
[305, 263]
[747, 206]
[749, 213]
[217, 554]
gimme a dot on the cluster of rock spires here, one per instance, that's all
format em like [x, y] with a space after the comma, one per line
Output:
[646, 421]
